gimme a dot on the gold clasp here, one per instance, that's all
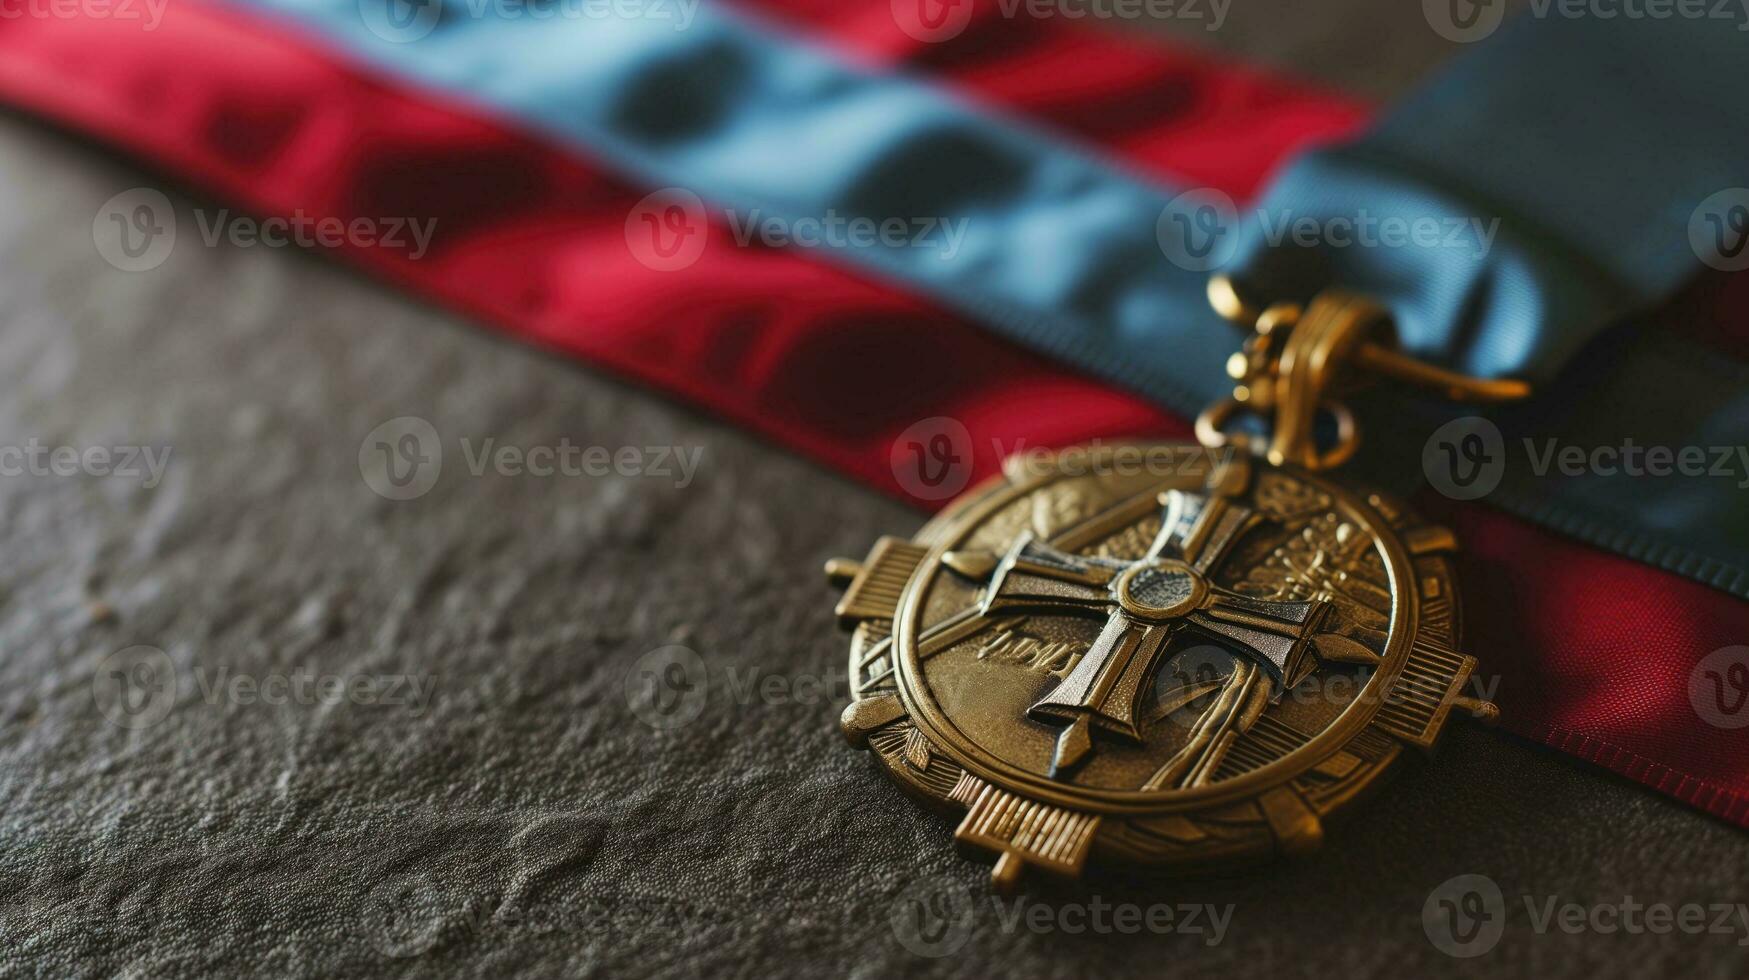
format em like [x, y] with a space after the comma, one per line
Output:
[1298, 358]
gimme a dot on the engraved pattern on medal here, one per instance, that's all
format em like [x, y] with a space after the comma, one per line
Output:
[1328, 557]
[1154, 637]
[1166, 704]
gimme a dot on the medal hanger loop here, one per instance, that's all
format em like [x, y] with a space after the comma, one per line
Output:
[1297, 358]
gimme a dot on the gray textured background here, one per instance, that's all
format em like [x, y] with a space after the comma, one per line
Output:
[525, 818]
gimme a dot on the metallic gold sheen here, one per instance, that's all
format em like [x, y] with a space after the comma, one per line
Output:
[1179, 669]
[1179, 666]
[1304, 350]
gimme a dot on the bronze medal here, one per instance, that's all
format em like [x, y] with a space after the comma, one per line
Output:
[1179, 656]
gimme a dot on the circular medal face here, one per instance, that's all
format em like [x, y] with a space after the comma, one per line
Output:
[1151, 653]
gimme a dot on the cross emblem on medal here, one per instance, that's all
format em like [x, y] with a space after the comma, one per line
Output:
[1034, 655]
[1145, 602]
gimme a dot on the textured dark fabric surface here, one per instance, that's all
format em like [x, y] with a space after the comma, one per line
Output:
[514, 813]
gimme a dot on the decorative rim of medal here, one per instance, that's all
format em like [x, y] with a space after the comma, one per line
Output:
[1244, 786]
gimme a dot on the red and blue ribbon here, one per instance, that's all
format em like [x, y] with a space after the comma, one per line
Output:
[282, 114]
